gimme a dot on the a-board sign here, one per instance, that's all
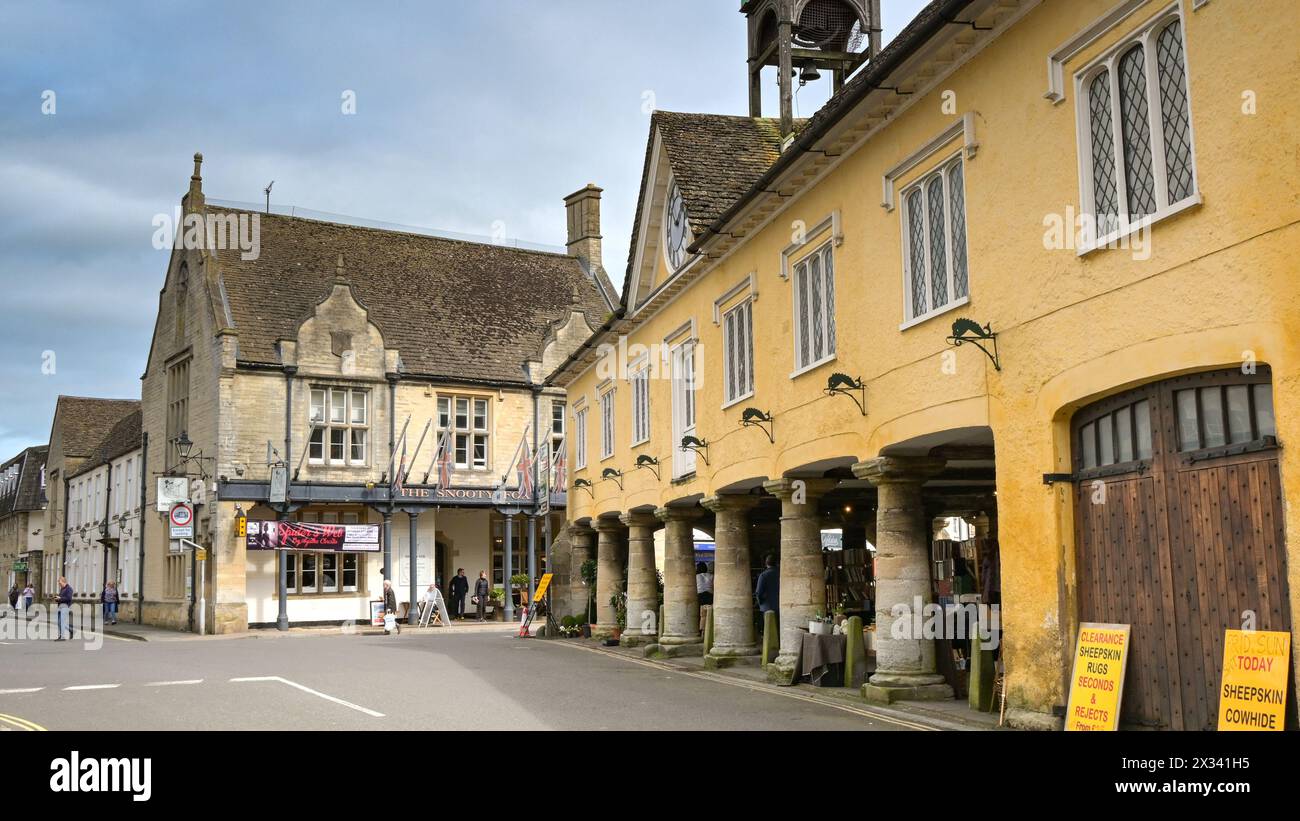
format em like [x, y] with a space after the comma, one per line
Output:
[541, 588]
[1252, 693]
[1097, 677]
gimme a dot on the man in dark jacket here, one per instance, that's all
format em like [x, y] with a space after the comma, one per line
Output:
[390, 602]
[459, 588]
[65, 609]
[768, 589]
[482, 589]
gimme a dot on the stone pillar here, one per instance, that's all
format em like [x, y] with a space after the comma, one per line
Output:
[904, 663]
[559, 555]
[733, 591]
[609, 575]
[582, 543]
[642, 582]
[803, 571]
[681, 633]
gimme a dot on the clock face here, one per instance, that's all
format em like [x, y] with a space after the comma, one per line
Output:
[676, 230]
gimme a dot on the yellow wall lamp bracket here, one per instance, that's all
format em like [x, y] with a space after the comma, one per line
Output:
[755, 418]
[648, 462]
[842, 383]
[613, 475]
[700, 446]
[968, 330]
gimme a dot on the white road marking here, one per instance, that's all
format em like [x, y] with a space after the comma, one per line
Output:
[295, 684]
[170, 683]
[93, 687]
[21, 690]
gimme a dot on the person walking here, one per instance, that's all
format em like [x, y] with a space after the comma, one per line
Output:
[29, 594]
[481, 591]
[459, 589]
[65, 609]
[768, 590]
[14, 595]
[390, 609]
[109, 598]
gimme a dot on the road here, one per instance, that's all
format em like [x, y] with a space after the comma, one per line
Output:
[472, 680]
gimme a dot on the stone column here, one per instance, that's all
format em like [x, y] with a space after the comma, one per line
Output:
[733, 592]
[581, 541]
[904, 662]
[642, 582]
[609, 575]
[681, 633]
[559, 556]
[803, 571]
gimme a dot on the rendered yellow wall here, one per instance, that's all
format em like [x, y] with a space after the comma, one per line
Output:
[1222, 279]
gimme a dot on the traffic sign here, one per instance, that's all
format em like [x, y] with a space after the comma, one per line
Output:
[181, 519]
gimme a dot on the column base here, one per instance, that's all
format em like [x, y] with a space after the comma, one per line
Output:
[781, 671]
[712, 661]
[886, 688]
[668, 651]
[603, 631]
[696, 639]
[637, 639]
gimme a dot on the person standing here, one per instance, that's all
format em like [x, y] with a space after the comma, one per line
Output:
[29, 594]
[65, 609]
[481, 591]
[703, 583]
[109, 598]
[768, 589]
[390, 608]
[459, 588]
[14, 595]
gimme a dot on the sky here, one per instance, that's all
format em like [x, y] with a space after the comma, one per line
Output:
[472, 117]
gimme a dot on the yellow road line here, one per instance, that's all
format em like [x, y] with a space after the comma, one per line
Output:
[848, 708]
[21, 723]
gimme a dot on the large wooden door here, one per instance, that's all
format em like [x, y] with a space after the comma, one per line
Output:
[1179, 532]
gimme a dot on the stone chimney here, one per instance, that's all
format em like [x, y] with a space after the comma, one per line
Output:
[583, 207]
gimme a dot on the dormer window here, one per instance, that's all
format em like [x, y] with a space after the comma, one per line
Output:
[677, 230]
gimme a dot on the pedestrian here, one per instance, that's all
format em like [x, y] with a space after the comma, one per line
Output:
[390, 609]
[109, 598]
[14, 595]
[481, 591]
[459, 588]
[768, 589]
[65, 609]
[29, 594]
[703, 583]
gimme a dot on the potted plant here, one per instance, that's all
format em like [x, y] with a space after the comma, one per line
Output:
[820, 624]
[571, 626]
[619, 602]
[498, 597]
[839, 614]
[588, 571]
[519, 589]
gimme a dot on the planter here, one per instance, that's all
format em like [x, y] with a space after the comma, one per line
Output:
[819, 628]
[586, 631]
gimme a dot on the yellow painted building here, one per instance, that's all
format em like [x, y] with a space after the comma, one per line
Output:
[1107, 189]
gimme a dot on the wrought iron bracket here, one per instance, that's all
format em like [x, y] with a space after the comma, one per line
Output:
[755, 418]
[840, 383]
[700, 446]
[968, 330]
[648, 462]
[614, 475]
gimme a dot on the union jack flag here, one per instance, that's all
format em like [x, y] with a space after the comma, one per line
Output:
[525, 474]
[400, 476]
[444, 460]
[561, 478]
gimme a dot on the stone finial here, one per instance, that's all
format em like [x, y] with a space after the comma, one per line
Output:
[340, 274]
[193, 200]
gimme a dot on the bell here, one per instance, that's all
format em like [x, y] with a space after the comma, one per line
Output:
[809, 74]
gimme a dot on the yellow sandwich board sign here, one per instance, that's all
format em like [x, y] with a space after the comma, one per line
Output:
[541, 587]
[1097, 680]
[1252, 694]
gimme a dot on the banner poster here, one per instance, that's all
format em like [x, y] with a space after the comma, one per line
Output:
[312, 536]
[1097, 680]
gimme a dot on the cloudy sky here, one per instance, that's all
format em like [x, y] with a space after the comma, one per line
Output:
[469, 117]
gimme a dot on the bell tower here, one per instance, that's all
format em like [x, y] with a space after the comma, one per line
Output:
[803, 38]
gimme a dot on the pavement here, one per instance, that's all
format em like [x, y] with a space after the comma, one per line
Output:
[465, 677]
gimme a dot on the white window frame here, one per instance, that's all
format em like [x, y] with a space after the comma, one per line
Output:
[1145, 36]
[684, 379]
[580, 437]
[608, 420]
[473, 433]
[639, 380]
[745, 347]
[825, 251]
[326, 426]
[942, 170]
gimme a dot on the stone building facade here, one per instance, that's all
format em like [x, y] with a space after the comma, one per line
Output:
[22, 517]
[343, 354]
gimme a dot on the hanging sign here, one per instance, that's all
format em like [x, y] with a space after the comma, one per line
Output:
[1252, 694]
[1097, 680]
[312, 536]
[172, 490]
[181, 520]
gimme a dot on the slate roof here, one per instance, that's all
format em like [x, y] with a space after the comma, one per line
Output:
[453, 309]
[714, 158]
[86, 421]
[122, 438]
[27, 494]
